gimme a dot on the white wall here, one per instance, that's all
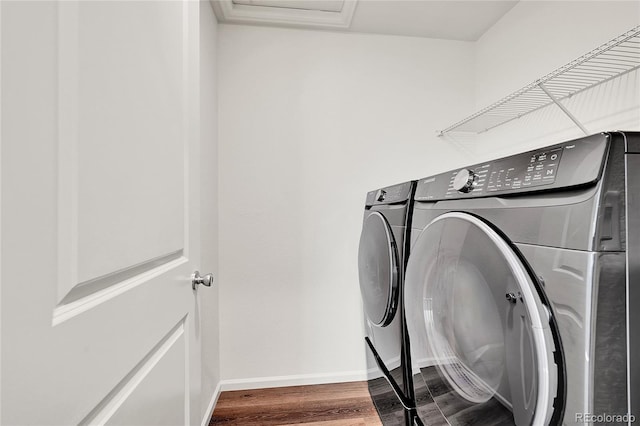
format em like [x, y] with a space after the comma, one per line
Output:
[309, 122]
[535, 38]
[208, 307]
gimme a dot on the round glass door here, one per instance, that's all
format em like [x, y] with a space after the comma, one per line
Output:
[378, 270]
[490, 338]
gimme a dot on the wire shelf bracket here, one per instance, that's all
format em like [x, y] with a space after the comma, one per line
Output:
[611, 60]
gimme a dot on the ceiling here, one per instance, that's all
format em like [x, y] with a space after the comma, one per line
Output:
[452, 19]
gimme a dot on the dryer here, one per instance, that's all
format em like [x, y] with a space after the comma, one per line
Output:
[382, 257]
[521, 292]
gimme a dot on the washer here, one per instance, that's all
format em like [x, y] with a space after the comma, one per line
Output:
[521, 292]
[382, 257]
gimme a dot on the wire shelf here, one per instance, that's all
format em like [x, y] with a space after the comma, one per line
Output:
[611, 60]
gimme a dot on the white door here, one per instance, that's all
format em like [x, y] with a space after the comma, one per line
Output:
[99, 213]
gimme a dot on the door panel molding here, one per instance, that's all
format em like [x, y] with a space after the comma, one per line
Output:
[67, 93]
[101, 414]
[89, 287]
[75, 234]
[88, 295]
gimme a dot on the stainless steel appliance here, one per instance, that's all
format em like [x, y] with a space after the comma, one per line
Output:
[522, 290]
[382, 257]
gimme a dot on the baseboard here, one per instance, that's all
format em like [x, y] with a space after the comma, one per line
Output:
[422, 363]
[214, 399]
[294, 380]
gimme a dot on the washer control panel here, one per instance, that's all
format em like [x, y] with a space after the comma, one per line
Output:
[569, 164]
[539, 168]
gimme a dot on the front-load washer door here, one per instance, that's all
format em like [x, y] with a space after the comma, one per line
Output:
[378, 270]
[481, 330]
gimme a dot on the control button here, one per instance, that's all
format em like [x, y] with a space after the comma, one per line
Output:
[542, 157]
[465, 180]
[533, 159]
[549, 172]
[382, 194]
[554, 157]
[530, 168]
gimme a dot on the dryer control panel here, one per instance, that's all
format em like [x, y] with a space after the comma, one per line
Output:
[390, 194]
[573, 163]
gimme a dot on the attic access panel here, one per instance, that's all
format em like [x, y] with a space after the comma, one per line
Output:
[320, 5]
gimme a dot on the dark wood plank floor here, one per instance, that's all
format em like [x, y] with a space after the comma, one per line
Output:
[338, 404]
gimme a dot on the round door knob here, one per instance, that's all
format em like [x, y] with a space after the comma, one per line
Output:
[464, 181]
[197, 279]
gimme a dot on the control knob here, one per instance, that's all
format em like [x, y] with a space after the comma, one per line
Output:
[464, 181]
[381, 195]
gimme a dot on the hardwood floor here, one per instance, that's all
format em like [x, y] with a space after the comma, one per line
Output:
[338, 404]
